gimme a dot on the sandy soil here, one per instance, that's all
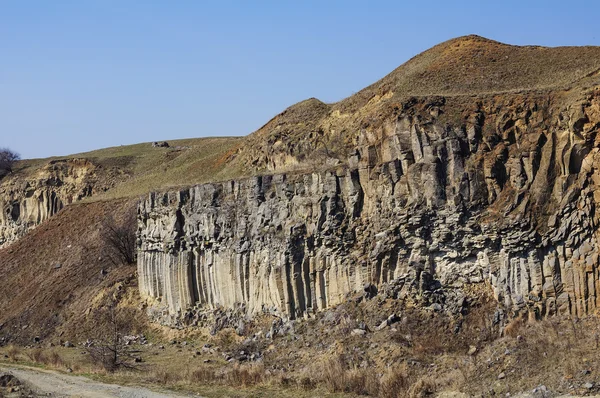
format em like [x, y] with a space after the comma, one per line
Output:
[56, 384]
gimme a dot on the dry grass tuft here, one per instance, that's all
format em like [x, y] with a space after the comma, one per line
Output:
[513, 327]
[13, 353]
[395, 382]
[37, 355]
[236, 376]
[334, 376]
[165, 377]
[424, 387]
[245, 375]
[204, 375]
[42, 357]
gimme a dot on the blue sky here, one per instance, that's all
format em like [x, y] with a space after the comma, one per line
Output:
[82, 75]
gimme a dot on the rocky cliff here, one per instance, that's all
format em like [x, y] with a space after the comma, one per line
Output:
[27, 202]
[503, 195]
[37, 189]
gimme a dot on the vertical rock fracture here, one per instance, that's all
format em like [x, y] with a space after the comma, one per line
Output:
[507, 197]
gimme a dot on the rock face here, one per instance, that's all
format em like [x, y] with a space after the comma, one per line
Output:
[506, 196]
[27, 203]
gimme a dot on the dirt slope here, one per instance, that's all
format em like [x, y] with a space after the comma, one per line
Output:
[474, 65]
[54, 274]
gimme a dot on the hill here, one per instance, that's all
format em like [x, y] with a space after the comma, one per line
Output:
[458, 74]
[453, 83]
[133, 170]
[473, 65]
[311, 133]
[447, 210]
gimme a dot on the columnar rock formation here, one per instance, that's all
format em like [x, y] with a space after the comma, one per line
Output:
[507, 197]
[473, 163]
[27, 203]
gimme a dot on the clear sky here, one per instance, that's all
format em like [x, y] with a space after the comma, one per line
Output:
[81, 75]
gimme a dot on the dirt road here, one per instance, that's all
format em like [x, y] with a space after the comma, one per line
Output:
[54, 384]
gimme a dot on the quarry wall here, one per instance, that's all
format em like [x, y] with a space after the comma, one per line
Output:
[426, 207]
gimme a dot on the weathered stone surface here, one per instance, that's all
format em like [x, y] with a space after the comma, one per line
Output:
[424, 209]
[27, 203]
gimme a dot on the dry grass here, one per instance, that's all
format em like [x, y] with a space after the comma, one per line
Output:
[553, 352]
[151, 169]
[335, 375]
[474, 65]
[424, 387]
[13, 353]
[514, 326]
[237, 376]
[394, 382]
[49, 358]
[165, 377]
[133, 170]
[226, 338]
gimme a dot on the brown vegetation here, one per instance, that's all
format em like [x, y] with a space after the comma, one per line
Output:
[557, 353]
[53, 276]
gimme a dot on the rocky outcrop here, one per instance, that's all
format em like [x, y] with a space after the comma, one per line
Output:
[506, 198]
[26, 203]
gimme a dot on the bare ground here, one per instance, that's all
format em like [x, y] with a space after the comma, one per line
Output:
[50, 383]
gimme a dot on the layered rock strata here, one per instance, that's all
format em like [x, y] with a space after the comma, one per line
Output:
[506, 197]
[25, 203]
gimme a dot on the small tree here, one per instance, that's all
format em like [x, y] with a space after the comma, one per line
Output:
[107, 344]
[7, 160]
[120, 239]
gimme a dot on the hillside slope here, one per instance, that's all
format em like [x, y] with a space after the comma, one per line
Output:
[56, 274]
[456, 74]
[39, 188]
[493, 132]
[401, 230]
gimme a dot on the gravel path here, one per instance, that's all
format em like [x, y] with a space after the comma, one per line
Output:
[56, 384]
